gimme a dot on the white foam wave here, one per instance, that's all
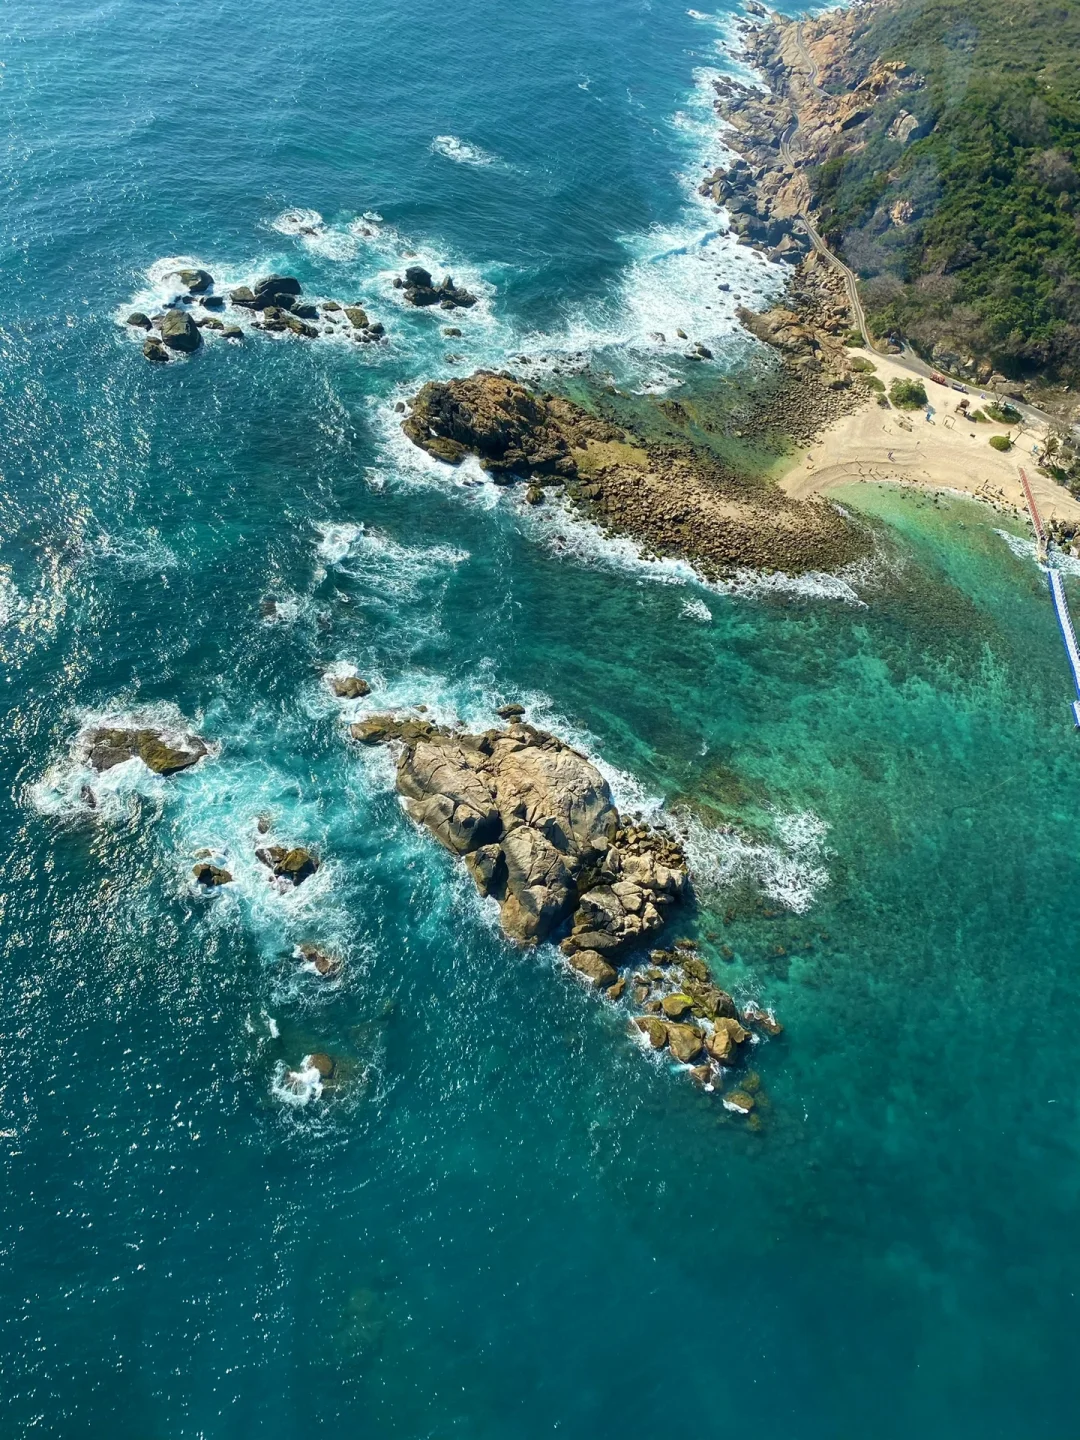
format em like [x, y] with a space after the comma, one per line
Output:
[451, 147]
[1025, 549]
[790, 872]
[296, 1088]
[697, 610]
[336, 540]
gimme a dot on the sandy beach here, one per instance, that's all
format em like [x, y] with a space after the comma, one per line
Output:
[947, 452]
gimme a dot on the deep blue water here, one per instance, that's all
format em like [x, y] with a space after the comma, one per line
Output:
[508, 1222]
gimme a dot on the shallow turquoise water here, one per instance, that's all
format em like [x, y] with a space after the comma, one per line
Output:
[512, 1222]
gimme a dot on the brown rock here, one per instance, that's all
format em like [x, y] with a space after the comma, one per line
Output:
[594, 967]
[211, 875]
[349, 687]
[655, 1029]
[685, 1042]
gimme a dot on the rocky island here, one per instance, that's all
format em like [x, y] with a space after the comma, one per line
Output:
[535, 824]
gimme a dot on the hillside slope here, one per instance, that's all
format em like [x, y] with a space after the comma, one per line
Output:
[957, 199]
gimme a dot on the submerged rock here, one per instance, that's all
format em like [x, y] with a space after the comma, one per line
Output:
[138, 318]
[155, 351]
[107, 747]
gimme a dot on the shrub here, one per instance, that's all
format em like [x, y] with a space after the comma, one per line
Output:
[908, 394]
[976, 415]
[862, 366]
[883, 401]
[853, 338]
[1003, 412]
[875, 384]
[1001, 442]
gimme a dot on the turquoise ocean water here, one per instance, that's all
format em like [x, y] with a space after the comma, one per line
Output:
[509, 1222]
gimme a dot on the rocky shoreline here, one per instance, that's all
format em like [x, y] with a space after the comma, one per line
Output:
[673, 499]
[535, 825]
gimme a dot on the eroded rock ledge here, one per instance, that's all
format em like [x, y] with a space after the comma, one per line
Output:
[537, 828]
[674, 500]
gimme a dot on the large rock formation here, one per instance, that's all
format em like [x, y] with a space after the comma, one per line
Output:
[159, 750]
[537, 827]
[675, 500]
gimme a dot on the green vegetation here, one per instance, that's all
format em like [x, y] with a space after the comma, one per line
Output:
[853, 339]
[862, 366]
[883, 401]
[908, 394]
[1061, 460]
[967, 237]
[1003, 413]
[874, 383]
[1001, 442]
[976, 415]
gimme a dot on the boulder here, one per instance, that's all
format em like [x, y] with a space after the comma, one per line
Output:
[676, 1006]
[349, 687]
[155, 351]
[594, 967]
[685, 1042]
[138, 318]
[723, 1044]
[276, 289]
[323, 964]
[510, 712]
[739, 1101]
[196, 280]
[357, 317]
[294, 865]
[113, 746]
[211, 876]
[179, 331]
[321, 1062]
[655, 1029]
[243, 295]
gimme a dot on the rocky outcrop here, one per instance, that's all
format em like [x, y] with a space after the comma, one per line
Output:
[420, 289]
[197, 280]
[538, 829]
[294, 864]
[536, 826]
[676, 501]
[159, 750]
[211, 877]
[348, 687]
[276, 301]
[179, 331]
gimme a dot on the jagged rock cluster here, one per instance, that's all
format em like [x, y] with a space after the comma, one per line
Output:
[674, 500]
[536, 825]
[810, 327]
[537, 828]
[420, 289]
[278, 300]
[160, 751]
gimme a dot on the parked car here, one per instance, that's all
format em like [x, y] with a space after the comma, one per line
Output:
[957, 386]
[938, 379]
